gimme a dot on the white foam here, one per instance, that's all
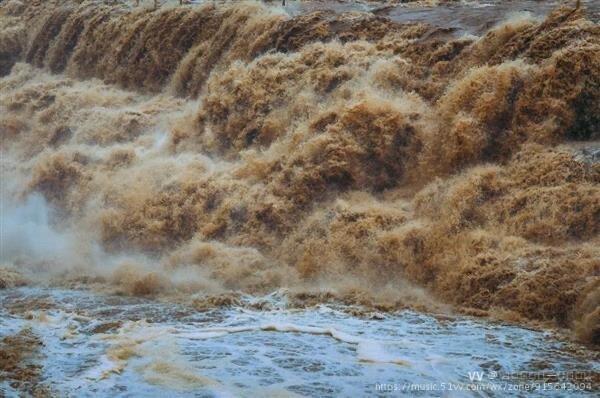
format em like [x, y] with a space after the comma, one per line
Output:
[235, 352]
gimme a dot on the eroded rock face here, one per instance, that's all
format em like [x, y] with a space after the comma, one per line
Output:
[589, 154]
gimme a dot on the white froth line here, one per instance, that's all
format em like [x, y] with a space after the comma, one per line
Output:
[368, 350]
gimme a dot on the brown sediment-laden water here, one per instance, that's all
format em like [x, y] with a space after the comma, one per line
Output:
[375, 164]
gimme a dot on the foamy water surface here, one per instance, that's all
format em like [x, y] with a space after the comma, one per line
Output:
[98, 345]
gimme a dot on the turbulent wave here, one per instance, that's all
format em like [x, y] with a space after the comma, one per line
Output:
[236, 147]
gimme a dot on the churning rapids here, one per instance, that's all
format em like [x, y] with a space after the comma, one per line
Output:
[329, 198]
[90, 345]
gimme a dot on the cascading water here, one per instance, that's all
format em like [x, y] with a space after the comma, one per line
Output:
[371, 159]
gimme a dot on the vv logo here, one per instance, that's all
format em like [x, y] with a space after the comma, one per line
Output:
[476, 376]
